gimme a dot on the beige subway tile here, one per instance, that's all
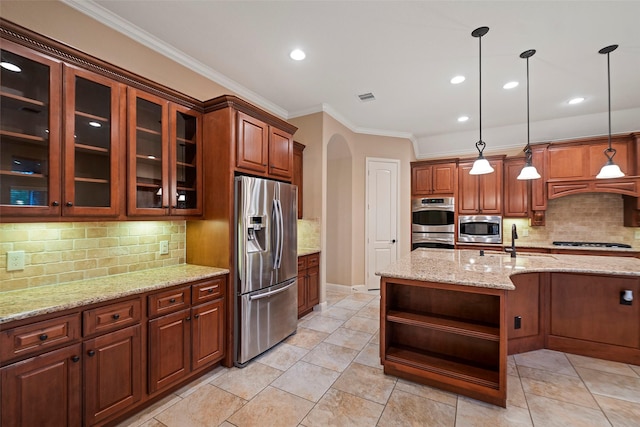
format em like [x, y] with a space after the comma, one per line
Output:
[128, 259]
[85, 243]
[73, 233]
[98, 253]
[5, 247]
[96, 272]
[43, 280]
[138, 266]
[28, 246]
[57, 268]
[117, 231]
[118, 269]
[97, 232]
[44, 234]
[107, 261]
[148, 256]
[70, 276]
[46, 257]
[85, 264]
[14, 235]
[74, 255]
[118, 251]
[138, 249]
[145, 240]
[14, 285]
[170, 261]
[129, 240]
[58, 245]
[108, 242]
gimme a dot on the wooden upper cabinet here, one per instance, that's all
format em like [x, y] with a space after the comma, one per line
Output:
[597, 158]
[253, 144]
[94, 134]
[516, 195]
[432, 178]
[577, 161]
[298, 167]
[263, 149]
[30, 134]
[185, 130]
[480, 194]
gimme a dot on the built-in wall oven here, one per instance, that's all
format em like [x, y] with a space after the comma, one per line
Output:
[480, 228]
[433, 223]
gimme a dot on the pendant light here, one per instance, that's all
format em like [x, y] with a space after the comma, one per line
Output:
[481, 166]
[610, 169]
[528, 171]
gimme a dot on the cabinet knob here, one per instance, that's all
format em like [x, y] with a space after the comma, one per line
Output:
[91, 353]
[196, 315]
[188, 318]
[172, 300]
[210, 290]
[55, 203]
[165, 207]
[69, 204]
[116, 316]
[174, 207]
[43, 337]
[75, 359]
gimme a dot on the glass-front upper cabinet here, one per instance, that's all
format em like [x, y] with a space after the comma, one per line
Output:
[148, 154]
[186, 171]
[30, 88]
[92, 135]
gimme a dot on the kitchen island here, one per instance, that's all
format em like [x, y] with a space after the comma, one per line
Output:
[446, 315]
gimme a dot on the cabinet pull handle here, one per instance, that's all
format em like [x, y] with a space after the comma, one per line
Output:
[210, 290]
[116, 316]
[69, 204]
[172, 300]
[91, 353]
[188, 318]
[75, 359]
[55, 203]
[43, 337]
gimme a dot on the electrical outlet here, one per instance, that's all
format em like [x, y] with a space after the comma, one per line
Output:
[15, 260]
[164, 247]
[637, 235]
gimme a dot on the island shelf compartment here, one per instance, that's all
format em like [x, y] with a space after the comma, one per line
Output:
[449, 336]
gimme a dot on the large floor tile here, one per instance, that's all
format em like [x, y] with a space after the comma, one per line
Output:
[428, 392]
[249, 381]
[370, 356]
[364, 296]
[331, 356]
[366, 382]
[210, 406]
[406, 409]
[362, 324]
[322, 324]
[349, 338]
[272, 407]
[611, 385]
[620, 412]
[556, 386]
[283, 356]
[306, 338]
[515, 392]
[473, 413]
[199, 382]
[337, 408]
[602, 365]
[338, 313]
[549, 360]
[307, 380]
[554, 413]
[149, 412]
[370, 311]
[350, 303]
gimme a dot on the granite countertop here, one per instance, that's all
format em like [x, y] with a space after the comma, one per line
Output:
[467, 267]
[25, 303]
[307, 251]
[551, 246]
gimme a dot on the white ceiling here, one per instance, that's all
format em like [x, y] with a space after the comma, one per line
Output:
[405, 53]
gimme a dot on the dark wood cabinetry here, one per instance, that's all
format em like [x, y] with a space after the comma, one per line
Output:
[453, 337]
[480, 194]
[435, 178]
[525, 319]
[308, 283]
[516, 194]
[298, 167]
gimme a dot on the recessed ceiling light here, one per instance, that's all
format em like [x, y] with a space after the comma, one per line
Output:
[297, 55]
[577, 100]
[9, 66]
[510, 85]
[457, 79]
[463, 118]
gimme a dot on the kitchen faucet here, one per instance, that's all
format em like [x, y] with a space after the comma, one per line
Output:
[514, 236]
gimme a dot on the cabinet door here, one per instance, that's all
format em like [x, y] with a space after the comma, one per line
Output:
[207, 334]
[30, 107]
[567, 162]
[421, 180]
[443, 177]
[112, 373]
[43, 391]
[588, 308]
[515, 191]
[313, 286]
[252, 149]
[302, 292]
[297, 180]
[92, 144]
[491, 190]
[280, 154]
[168, 357]
[468, 187]
[148, 172]
[186, 164]
[597, 158]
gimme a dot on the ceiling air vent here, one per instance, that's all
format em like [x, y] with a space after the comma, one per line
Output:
[366, 97]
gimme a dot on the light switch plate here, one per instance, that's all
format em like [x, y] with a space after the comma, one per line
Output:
[164, 247]
[15, 260]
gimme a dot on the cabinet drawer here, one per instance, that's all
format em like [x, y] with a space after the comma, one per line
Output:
[169, 301]
[302, 263]
[31, 339]
[111, 317]
[313, 260]
[208, 290]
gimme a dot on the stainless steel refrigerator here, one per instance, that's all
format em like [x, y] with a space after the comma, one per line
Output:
[266, 265]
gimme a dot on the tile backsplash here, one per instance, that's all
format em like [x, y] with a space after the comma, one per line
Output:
[67, 251]
[309, 233]
[591, 217]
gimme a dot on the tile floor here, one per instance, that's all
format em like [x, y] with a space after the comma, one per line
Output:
[328, 374]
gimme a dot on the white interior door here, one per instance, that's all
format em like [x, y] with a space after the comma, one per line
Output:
[382, 217]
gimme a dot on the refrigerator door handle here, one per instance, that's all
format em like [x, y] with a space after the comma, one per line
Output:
[278, 235]
[280, 232]
[268, 294]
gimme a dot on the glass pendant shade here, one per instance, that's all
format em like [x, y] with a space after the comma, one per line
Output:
[610, 170]
[528, 172]
[481, 166]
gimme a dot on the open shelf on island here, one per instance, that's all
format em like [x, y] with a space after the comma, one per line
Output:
[445, 324]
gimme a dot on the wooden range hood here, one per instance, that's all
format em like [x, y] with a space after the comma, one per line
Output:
[571, 167]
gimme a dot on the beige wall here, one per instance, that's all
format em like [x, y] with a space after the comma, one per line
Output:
[309, 133]
[339, 213]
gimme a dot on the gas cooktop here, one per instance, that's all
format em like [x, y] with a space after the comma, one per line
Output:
[593, 244]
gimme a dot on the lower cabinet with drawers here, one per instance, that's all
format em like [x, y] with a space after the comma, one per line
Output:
[308, 283]
[100, 363]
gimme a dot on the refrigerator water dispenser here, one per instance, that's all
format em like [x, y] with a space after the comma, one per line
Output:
[256, 234]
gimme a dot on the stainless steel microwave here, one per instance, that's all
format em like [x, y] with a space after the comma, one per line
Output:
[480, 229]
